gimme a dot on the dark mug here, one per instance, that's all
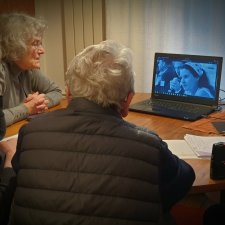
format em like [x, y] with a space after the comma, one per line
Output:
[217, 167]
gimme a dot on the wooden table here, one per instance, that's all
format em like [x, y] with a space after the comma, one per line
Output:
[167, 128]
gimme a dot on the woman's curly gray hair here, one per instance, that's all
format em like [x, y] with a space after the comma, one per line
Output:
[16, 33]
[102, 73]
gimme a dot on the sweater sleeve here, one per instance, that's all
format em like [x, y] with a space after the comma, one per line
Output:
[33, 81]
[177, 178]
[2, 121]
[7, 187]
[15, 114]
[43, 84]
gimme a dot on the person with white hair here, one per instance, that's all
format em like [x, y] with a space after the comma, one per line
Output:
[85, 164]
[26, 90]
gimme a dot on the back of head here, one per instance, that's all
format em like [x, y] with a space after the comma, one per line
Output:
[102, 73]
[16, 32]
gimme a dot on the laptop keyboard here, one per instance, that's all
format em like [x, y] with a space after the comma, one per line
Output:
[182, 107]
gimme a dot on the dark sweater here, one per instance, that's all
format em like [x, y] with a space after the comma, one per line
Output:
[7, 176]
[2, 120]
[7, 185]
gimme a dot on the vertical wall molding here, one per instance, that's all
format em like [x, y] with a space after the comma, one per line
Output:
[87, 19]
[72, 26]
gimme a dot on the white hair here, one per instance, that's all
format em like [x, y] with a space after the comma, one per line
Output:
[102, 73]
[16, 33]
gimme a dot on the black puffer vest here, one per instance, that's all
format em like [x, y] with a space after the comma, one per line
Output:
[86, 165]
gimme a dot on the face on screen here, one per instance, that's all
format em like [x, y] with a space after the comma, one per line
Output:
[185, 77]
[188, 81]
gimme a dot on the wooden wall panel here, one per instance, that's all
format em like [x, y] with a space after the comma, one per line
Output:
[26, 6]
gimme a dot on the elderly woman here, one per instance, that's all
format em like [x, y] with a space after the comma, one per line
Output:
[26, 90]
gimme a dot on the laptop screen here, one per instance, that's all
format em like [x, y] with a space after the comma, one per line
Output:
[187, 78]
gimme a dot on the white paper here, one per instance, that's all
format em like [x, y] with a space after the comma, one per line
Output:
[202, 145]
[10, 137]
[181, 149]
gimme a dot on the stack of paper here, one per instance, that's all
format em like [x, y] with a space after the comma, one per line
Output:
[194, 146]
[202, 145]
[181, 149]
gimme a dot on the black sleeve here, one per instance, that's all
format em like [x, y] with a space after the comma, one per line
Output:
[15, 159]
[2, 160]
[177, 178]
[2, 121]
[7, 187]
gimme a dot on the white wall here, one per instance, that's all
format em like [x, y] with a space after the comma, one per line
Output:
[174, 26]
[53, 60]
[72, 26]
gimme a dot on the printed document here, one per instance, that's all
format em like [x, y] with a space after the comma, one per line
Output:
[181, 149]
[202, 145]
[194, 146]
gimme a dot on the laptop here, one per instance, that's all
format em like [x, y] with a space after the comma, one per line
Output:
[183, 86]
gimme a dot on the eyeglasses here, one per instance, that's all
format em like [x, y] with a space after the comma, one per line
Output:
[37, 44]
